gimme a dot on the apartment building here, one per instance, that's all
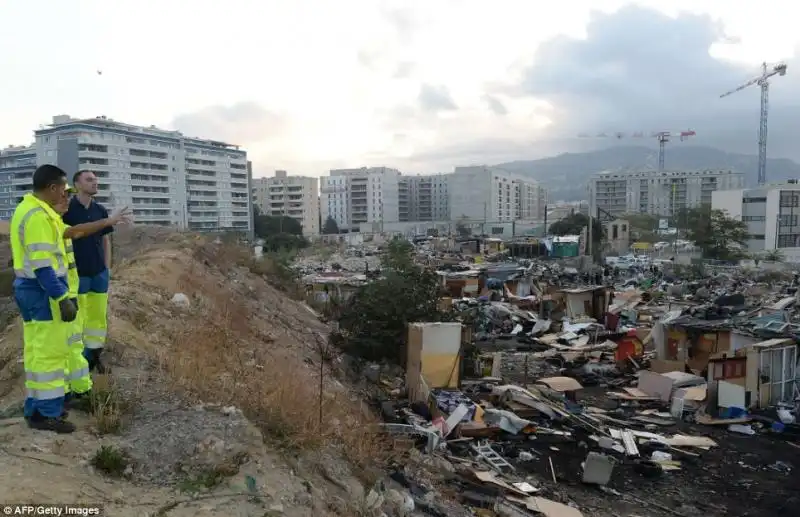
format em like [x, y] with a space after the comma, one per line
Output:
[772, 215]
[17, 164]
[353, 197]
[662, 193]
[166, 178]
[483, 193]
[424, 198]
[291, 196]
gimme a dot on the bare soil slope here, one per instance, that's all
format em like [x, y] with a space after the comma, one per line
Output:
[213, 399]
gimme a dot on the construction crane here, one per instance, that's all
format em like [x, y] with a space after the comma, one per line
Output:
[763, 82]
[662, 136]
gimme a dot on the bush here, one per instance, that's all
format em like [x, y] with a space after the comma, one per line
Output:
[373, 321]
[110, 461]
[109, 409]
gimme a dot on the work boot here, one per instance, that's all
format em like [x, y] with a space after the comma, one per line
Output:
[58, 425]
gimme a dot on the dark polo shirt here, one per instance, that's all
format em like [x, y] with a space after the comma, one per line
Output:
[89, 253]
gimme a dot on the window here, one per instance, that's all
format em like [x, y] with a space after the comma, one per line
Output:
[754, 200]
[754, 218]
[790, 240]
[790, 199]
[777, 374]
[730, 369]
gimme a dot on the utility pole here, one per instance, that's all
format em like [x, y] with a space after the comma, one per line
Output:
[544, 232]
[763, 81]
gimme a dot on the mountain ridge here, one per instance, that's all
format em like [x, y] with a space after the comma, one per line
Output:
[566, 176]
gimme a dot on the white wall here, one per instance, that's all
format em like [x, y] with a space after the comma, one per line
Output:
[728, 200]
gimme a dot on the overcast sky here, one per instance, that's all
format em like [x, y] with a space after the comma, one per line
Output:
[307, 85]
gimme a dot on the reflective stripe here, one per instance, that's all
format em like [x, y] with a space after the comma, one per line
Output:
[83, 372]
[69, 248]
[93, 344]
[42, 246]
[44, 376]
[20, 273]
[94, 333]
[72, 265]
[46, 394]
[73, 339]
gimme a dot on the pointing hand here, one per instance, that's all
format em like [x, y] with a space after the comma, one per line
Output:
[122, 216]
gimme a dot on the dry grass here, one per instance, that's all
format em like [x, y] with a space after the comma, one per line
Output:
[220, 356]
[110, 408]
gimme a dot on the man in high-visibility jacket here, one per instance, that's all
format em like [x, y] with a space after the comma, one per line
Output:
[41, 293]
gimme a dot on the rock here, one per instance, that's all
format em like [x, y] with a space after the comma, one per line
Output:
[374, 500]
[229, 410]
[276, 508]
[181, 300]
[399, 503]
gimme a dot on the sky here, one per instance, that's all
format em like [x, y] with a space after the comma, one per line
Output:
[309, 85]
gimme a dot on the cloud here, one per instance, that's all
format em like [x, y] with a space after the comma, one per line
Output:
[640, 70]
[242, 123]
[436, 98]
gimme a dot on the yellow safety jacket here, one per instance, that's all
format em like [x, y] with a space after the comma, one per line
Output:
[73, 280]
[37, 241]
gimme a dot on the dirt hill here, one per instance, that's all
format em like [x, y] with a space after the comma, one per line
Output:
[212, 408]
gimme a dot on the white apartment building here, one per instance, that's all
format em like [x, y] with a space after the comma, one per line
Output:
[292, 196]
[658, 192]
[424, 198]
[772, 214]
[489, 194]
[353, 197]
[165, 177]
[17, 164]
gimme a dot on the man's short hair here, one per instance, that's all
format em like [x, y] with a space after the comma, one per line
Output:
[46, 175]
[77, 175]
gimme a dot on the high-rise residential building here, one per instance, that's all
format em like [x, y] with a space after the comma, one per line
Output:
[356, 196]
[292, 196]
[166, 178]
[17, 164]
[772, 215]
[424, 198]
[490, 194]
[658, 192]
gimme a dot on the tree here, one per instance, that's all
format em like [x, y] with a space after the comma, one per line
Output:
[331, 227]
[574, 225]
[398, 255]
[279, 232]
[717, 235]
[773, 256]
[267, 225]
[373, 321]
[642, 222]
